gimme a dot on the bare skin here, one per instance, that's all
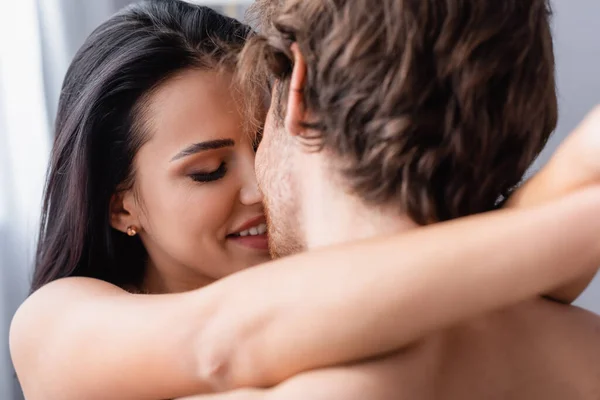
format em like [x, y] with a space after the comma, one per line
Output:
[186, 325]
[538, 349]
[195, 331]
[189, 355]
[535, 349]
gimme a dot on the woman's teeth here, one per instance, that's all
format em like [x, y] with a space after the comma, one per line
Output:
[255, 231]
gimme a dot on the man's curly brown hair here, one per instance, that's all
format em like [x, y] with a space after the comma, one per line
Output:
[437, 107]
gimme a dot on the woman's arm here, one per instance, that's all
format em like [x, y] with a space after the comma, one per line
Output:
[384, 378]
[80, 338]
[353, 302]
[575, 165]
[379, 379]
[552, 182]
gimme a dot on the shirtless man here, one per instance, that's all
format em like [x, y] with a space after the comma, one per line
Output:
[391, 114]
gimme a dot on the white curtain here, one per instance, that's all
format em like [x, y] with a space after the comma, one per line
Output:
[24, 144]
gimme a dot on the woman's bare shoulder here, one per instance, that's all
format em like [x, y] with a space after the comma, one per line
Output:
[41, 310]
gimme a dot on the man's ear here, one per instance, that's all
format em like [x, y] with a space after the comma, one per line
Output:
[123, 211]
[295, 112]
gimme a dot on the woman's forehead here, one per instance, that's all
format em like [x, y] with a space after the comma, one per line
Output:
[194, 103]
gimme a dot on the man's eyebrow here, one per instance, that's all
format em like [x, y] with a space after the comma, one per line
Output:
[203, 146]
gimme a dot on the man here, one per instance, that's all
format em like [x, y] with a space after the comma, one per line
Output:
[393, 114]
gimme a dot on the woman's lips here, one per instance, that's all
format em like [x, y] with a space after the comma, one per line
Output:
[257, 242]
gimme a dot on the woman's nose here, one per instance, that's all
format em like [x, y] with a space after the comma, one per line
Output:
[250, 193]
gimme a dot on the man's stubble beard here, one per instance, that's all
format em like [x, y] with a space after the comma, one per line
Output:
[281, 192]
[283, 219]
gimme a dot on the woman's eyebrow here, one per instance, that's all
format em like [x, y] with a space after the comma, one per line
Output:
[203, 146]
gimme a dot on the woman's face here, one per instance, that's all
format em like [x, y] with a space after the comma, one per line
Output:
[195, 199]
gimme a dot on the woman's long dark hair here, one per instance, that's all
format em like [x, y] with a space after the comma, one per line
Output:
[97, 137]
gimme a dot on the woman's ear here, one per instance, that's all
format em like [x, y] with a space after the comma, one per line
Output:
[295, 111]
[123, 211]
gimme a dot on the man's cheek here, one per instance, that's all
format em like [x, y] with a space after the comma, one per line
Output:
[260, 167]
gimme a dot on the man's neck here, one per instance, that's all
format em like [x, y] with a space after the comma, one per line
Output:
[332, 215]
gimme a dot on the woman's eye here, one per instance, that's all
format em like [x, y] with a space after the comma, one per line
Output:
[217, 174]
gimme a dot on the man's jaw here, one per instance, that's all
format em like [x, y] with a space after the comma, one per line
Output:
[284, 239]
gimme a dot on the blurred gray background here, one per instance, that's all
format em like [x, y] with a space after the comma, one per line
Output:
[37, 41]
[577, 46]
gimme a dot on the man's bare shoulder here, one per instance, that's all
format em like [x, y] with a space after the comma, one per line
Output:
[537, 348]
[535, 315]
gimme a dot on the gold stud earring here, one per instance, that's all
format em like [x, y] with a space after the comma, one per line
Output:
[131, 230]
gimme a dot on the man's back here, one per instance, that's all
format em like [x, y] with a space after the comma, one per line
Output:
[536, 350]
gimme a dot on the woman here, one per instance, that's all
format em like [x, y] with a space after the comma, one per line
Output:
[151, 198]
